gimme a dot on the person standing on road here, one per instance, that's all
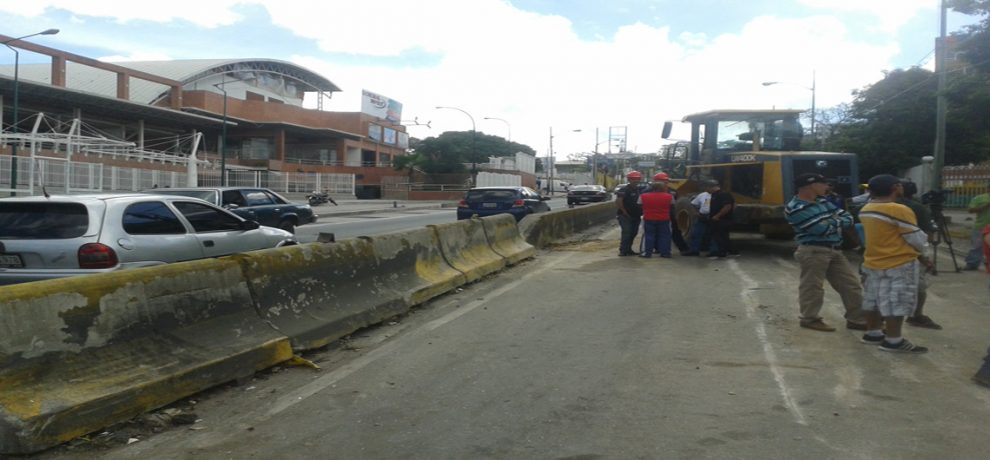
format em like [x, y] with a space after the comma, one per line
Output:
[818, 230]
[924, 218]
[700, 231]
[895, 248]
[982, 376]
[629, 212]
[656, 206]
[979, 205]
[722, 205]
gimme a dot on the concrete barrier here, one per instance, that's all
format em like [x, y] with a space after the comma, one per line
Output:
[465, 247]
[543, 229]
[82, 353]
[505, 239]
[416, 266]
[317, 293]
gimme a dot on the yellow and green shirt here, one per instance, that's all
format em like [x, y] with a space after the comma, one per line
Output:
[893, 237]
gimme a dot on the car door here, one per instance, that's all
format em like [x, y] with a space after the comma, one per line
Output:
[150, 233]
[219, 232]
[267, 208]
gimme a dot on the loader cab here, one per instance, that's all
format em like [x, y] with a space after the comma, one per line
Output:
[717, 134]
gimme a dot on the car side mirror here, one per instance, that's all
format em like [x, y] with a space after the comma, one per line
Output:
[250, 225]
[230, 206]
[667, 126]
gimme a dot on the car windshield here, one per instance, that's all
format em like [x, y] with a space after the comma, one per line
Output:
[43, 221]
[491, 195]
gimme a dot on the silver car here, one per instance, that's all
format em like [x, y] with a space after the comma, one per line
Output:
[58, 236]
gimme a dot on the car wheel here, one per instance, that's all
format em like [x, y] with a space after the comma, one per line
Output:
[288, 226]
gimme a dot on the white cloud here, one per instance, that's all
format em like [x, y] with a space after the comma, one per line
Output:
[890, 15]
[210, 13]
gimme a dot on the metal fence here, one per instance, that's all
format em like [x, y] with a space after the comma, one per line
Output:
[964, 182]
[59, 175]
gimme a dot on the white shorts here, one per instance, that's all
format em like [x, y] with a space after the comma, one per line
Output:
[892, 292]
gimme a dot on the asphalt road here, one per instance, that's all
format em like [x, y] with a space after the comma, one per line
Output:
[580, 354]
[373, 223]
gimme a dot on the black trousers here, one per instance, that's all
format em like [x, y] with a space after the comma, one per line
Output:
[630, 227]
[720, 236]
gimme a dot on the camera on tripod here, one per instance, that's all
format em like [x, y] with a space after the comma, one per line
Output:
[935, 198]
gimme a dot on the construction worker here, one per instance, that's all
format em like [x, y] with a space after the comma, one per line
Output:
[656, 205]
[629, 212]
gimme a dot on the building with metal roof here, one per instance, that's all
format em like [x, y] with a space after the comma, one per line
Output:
[256, 105]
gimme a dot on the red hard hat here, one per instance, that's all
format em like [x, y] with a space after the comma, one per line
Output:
[634, 175]
[661, 177]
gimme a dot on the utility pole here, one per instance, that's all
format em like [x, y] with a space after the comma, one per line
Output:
[940, 104]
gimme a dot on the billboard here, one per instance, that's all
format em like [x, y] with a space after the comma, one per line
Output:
[380, 106]
[375, 132]
[403, 140]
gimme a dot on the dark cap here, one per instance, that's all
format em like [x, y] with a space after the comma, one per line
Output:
[808, 179]
[883, 184]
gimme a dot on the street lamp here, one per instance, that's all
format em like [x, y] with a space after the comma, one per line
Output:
[551, 159]
[506, 125]
[13, 148]
[812, 89]
[222, 86]
[474, 145]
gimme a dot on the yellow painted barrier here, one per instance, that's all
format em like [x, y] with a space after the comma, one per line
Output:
[416, 266]
[505, 239]
[317, 293]
[544, 229]
[78, 354]
[466, 248]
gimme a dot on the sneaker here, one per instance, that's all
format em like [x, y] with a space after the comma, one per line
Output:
[972, 267]
[923, 321]
[872, 339]
[904, 347]
[646, 256]
[855, 326]
[817, 325]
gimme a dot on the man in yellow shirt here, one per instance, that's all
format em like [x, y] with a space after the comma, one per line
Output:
[891, 265]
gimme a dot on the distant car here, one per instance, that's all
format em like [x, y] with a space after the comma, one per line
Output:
[251, 203]
[59, 236]
[487, 201]
[587, 194]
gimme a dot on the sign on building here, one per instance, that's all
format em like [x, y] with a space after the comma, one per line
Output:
[380, 106]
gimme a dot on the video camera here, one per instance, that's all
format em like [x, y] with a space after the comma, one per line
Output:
[935, 197]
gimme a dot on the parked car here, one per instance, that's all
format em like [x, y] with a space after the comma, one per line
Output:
[251, 203]
[587, 194]
[59, 236]
[487, 201]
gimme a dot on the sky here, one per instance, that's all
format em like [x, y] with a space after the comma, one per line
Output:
[540, 66]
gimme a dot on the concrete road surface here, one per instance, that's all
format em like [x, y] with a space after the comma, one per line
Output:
[580, 354]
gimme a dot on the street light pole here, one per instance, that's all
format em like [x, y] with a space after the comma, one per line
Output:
[223, 132]
[474, 145]
[813, 91]
[15, 115]
[509, 127]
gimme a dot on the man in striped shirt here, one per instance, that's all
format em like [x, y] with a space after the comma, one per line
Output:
[818, 227]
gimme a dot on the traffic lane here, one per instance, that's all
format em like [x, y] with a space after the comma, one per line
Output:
[584, 353]
[353, 226]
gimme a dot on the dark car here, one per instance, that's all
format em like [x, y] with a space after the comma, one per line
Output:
[252, 203]
[587, 194]
[487, 201]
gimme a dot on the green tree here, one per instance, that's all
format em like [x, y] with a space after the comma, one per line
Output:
[891, 122]
[449, 152]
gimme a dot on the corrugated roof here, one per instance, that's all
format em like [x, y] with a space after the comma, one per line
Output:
[188, 71]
